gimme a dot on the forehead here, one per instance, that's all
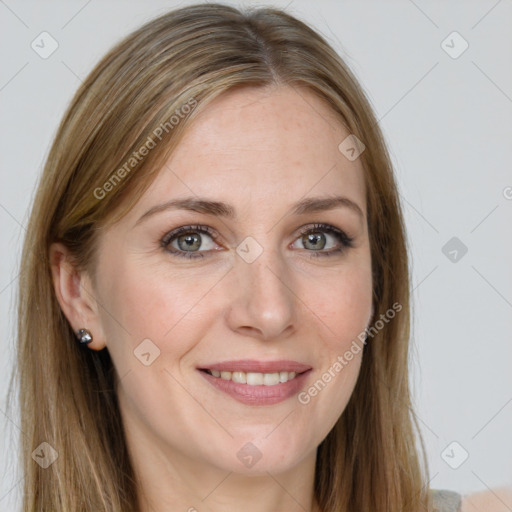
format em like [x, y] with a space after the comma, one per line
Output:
[252, 146]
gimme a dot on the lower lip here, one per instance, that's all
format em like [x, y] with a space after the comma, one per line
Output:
[258, 395]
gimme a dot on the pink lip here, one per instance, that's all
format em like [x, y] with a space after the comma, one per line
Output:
[250, 365]
[258, 395]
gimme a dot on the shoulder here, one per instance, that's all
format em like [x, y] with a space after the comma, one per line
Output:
[445, 501]
[494, 500]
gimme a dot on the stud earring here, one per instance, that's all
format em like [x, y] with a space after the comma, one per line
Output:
[84, 336]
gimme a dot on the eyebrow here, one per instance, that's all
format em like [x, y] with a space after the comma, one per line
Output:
[220, 209]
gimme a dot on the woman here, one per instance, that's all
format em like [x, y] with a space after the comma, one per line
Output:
[216, 270]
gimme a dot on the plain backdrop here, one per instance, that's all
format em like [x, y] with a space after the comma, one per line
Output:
[446, 112]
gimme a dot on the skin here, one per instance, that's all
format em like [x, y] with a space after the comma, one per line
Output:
[261, 151]
[494, 500]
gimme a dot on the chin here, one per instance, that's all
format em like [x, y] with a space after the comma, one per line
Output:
[264, 452]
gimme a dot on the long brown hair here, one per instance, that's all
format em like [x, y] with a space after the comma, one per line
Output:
[372, 458]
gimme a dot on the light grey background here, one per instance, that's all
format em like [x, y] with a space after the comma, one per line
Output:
[448, 123]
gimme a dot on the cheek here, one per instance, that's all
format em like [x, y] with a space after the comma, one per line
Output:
[155, 319]
[149, 303]
[343, 303]
[344, 310]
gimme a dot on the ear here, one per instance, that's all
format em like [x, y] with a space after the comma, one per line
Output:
[75, 294]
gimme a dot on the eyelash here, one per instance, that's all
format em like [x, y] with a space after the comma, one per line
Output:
[345, 241]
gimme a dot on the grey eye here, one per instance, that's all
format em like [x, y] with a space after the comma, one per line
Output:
[192, 242]
[317, 240]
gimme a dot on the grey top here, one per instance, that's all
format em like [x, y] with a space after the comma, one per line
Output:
[446, 501]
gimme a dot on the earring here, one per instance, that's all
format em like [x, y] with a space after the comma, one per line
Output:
[84, 336]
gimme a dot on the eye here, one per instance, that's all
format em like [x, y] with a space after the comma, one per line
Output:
[194, 241]
[187, 241]
[317, 238]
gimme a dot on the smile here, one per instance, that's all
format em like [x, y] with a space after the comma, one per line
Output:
[256, 383]
[253, 378]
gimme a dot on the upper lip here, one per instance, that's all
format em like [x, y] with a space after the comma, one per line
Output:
[251, 365]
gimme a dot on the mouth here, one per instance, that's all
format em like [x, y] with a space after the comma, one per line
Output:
[256, 382]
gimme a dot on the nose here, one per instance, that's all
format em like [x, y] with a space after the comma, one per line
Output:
[263, 303]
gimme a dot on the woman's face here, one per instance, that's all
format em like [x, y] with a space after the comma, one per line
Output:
[262, 281]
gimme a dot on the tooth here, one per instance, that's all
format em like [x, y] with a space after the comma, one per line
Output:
[254, 379]
[239, 377]
[270, 379]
